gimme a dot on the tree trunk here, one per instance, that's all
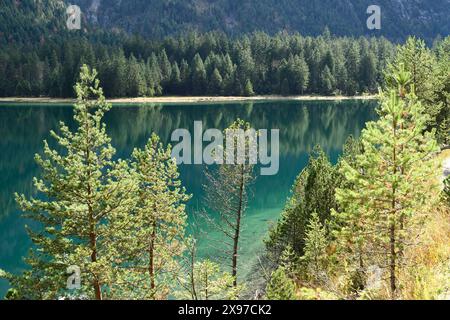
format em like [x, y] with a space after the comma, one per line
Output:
[192, 276]
[93, 244]
[392, 254]
[151, 252]
[237, 229]
[393, 261]
[96, 282]
[92, 231]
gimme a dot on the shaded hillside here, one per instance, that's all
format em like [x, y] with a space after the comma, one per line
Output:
[425, 18]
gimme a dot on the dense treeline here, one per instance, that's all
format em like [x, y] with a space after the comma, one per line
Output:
[40, 56]
[198, 64]
[214, 64]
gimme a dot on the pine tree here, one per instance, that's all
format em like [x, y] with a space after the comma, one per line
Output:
[245, 64]
[198, 75]
[280, 286]
[313, 191]
[82, 191]
[289, 260]
[441, 88]
[185, 77]
[155, 76]
[137, 86]
[329, 61]
[368, 72]
[215, 83]
[69, 71]
[120, 76]
[55, 86]
[300, 74]
[205, 281]
[315, 257]
[227, 188]
[175, 81]
[248, 89]
[352, 65]
[165, 66]
[389, 193]
[417, 59]
[313, 60]
[265, 61]
[228, 75]
[155, 236]
[327, 81]
[341, 71]
[23, 88]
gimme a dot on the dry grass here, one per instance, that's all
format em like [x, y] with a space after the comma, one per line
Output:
[428, 277]
[428, 273]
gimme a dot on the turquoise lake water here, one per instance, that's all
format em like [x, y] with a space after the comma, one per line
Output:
[302, 125]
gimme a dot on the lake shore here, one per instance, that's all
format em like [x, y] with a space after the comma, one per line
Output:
[194, 99]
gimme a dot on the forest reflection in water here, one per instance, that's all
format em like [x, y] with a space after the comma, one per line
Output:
[302, 125]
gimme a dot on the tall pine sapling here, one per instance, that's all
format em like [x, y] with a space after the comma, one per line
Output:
[315, 257]
[154, 239]
[389, 187]
[280, 286]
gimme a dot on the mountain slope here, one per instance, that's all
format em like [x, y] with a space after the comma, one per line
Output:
[157, 18]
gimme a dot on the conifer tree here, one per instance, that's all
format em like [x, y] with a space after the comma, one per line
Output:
[416, 59]
[327, 81]
[368, 71]
[120, 76]
[165, 66]
[300, 74]
[185, 76]
[389, 192]
[248, 89]
[352, 66]
[429, 75]
[175, 81]
[245, 64]
[205, 281]
[137, 86]
[312, 192]
[198, 75]
[227, 188]
[155, 236]
[82, 190]
[442, 92]
[155, 74]
[280, 286]
[315, 257]
[228, 74]
[215, 83]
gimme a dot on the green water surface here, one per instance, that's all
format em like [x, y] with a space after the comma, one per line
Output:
[302, 125]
